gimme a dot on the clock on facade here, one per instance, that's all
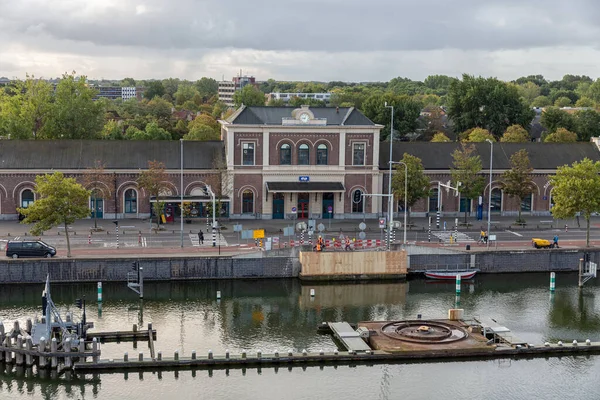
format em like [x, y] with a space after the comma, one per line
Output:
[304, 117]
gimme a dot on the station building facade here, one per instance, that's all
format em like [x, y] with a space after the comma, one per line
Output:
[277, 163]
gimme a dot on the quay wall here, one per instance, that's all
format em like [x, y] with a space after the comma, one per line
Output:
[154, 269]
[342, 265]
[281, 266]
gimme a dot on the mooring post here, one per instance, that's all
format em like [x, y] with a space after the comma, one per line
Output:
[580, 273]
[42, 362]
[458, 278]
[28, 347]
[16, 329]
[159, 356]
[18, 354]
[28, 326]
[125, 357]
[2, 332]
[54, 349]
[8, 352]
[141, 356]
[552, 281]
[67, 350]
[82, 349]
[176, 355]
[99, 292]
[95, 350]
[194, 354]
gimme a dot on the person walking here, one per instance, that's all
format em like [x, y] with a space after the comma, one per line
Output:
[555, 244]
[200, 237]
[347, 248]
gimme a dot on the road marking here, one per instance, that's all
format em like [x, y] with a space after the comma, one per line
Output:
[514, 233]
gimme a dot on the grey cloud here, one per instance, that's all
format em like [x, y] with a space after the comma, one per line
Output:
[325, 25]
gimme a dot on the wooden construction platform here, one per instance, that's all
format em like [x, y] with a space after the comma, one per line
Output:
[501, 334]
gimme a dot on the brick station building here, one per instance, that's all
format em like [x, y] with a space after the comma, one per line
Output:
[280, 163]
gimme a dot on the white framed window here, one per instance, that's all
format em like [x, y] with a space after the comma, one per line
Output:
[248, 153]
[358, 153]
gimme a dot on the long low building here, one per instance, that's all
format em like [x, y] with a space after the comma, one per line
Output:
[274, 163]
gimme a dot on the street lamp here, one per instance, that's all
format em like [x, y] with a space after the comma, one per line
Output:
[181, 191]
[405, 192]
[490, 191]
[390, 199]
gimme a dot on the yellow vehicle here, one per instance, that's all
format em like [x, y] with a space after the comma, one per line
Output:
[542, 243]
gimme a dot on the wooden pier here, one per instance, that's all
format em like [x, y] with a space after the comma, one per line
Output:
[134, 335]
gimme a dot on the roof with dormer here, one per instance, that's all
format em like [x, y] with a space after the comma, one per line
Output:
[334, 116]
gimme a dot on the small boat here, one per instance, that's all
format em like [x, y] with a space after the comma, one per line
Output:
[450, 275]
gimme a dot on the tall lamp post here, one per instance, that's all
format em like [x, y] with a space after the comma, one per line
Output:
[181, 192]
[405, 193]
[490, 192]
[390, 199]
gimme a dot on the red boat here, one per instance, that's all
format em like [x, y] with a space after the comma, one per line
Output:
[450, 275]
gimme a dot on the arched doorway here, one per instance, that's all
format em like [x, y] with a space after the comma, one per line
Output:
[496, 200]
[278, 205]
[327, 206]
[303, 203]
[96, 204]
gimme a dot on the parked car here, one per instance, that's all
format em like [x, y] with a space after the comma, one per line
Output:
[542, 243]
[29, 248]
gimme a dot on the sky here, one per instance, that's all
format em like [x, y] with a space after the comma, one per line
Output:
[307, 40]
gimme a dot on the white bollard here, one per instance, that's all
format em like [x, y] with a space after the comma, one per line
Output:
[560, 343]
[210, 354]
[312, 292]
[304, 352]
[552, 281]
[588, 342]
[335, 352]
[218, 294]
[99, 292]
[276, 354]
[227, 354]
[547, 344]
[290, 353]
[321, 352]
[574, 342]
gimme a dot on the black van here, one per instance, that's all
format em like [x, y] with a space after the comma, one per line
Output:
[29, 248]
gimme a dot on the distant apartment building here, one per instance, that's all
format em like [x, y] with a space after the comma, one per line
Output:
[228, 88]
[117, 92]
[286, 97]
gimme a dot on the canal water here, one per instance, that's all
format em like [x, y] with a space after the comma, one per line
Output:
[280, 315]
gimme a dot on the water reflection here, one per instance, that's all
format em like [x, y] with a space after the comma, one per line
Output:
[281, 314]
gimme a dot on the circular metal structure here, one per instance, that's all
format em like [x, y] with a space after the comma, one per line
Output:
[426, 332]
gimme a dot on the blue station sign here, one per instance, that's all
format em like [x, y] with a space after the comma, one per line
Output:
[304, 178]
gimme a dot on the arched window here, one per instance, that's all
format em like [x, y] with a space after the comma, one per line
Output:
[433, 199]
[27, 198]
[357, 201]
[526, 203]
[496, 200]
[322, 154]
[130, 201]
[247, 202]
[303, 158]
[285, 154]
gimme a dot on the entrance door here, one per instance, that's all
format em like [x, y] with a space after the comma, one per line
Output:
[303, 203]
[97, 208]
[278, 203]
[327, 206]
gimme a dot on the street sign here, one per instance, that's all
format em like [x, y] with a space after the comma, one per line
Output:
[301, 226]
[381, 223]
[362, 226]
[237, 227]
[304, 178]
[545, 198]
[288, 231]
[321, 227]
[294, 210]
[362, 235]
[258, 234]
[329, 209]
[310, 233]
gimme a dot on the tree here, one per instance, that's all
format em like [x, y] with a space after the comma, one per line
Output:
[594, 91]
[128, 82]
[417, 184]
[74, 113]
[154, 89]
[479, 135]
[154, 181]
[541, 101]
[466, 169]
[99, 183]
[587, 124]
[439, 137]
[185, 92]
[406, 112]
[111, 130]
[201, 132]
[554, 118]
[529, 91]
[517, 181]
[249, 96]
[562, 102]
[61, 201]
[207, 88]
[515, 134]
[585, 102]
[486, 103]
[159, 108]
[561, 136]
[151, 132]
[576, 189]
[25, 109]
